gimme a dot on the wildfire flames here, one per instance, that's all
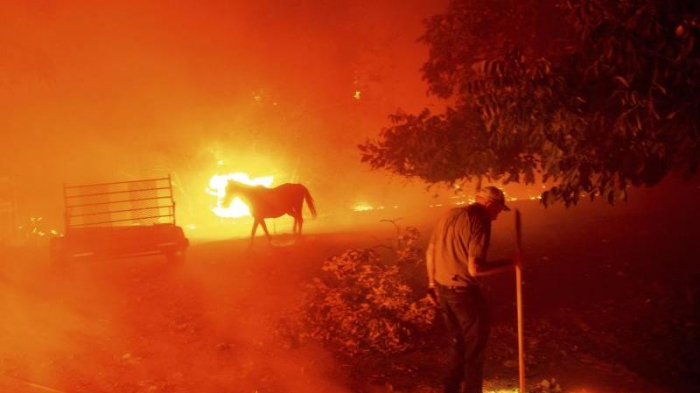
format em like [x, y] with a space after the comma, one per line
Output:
[217, 187]
[364, 207]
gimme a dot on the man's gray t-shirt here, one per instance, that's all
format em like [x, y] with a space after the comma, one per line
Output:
[459, 233]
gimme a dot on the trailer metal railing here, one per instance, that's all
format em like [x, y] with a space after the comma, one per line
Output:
[122, 203]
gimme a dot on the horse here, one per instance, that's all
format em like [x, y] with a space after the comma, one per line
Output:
[274, 202]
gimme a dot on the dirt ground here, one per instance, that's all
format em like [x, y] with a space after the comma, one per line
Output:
[610, 304]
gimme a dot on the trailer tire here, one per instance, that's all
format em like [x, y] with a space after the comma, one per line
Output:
[175, 257]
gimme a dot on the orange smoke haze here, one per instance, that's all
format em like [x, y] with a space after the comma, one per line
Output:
[98, 91]
[93, 91]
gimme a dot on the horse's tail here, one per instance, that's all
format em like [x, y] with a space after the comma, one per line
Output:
[309, 201]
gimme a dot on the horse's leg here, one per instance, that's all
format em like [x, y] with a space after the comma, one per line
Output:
[296, 224]
[300, 222]
[264, 227]
[255, 228]
[299, 214]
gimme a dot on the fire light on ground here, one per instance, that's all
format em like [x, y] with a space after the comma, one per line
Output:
[217, 187]
[35, 228]
[365, 207]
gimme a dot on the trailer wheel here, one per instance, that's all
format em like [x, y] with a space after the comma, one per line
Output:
[176, 256]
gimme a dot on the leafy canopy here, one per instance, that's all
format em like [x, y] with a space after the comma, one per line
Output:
[587, 96]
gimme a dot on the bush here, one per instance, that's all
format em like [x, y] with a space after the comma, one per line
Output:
[361, 304]
[407, 250]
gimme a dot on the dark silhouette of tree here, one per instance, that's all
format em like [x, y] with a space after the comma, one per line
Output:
[588, 96]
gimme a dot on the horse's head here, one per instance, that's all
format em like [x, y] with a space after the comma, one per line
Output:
[231, 191]
[233, 188]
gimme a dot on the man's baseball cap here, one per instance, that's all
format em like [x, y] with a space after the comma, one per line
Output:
[493, 194]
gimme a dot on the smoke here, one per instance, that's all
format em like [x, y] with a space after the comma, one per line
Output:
[95, 92]
[145, 326]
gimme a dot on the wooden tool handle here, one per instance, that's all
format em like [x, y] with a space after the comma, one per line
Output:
[519, 298]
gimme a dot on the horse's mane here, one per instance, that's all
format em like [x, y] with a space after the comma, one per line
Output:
[232, 184]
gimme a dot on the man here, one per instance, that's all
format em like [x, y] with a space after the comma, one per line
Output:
[456, 256]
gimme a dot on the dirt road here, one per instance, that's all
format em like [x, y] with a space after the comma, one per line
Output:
[142, 325]
[610, 297]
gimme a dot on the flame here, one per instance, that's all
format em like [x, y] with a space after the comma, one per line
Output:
[364, 207]
[217, 187]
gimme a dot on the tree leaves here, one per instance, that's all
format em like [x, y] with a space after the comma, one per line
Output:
[612, 104]
[622, 81]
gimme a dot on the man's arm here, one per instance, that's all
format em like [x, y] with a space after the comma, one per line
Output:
[430, 265]
[479, 267]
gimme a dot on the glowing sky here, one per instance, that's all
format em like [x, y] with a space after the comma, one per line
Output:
[95, 91]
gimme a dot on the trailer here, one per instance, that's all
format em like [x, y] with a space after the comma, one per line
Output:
[120, 219]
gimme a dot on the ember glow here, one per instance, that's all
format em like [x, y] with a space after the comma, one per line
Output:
[217, 188]
[364, 207]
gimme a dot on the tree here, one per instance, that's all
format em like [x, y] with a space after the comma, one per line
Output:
[613, 101]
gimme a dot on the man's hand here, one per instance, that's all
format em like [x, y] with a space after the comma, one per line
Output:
[478, 267]
[432, 294]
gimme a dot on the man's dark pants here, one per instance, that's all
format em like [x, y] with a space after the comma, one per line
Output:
[467, 319]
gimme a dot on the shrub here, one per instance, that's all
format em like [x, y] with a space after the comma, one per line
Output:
[407, 250]
[361, 303]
